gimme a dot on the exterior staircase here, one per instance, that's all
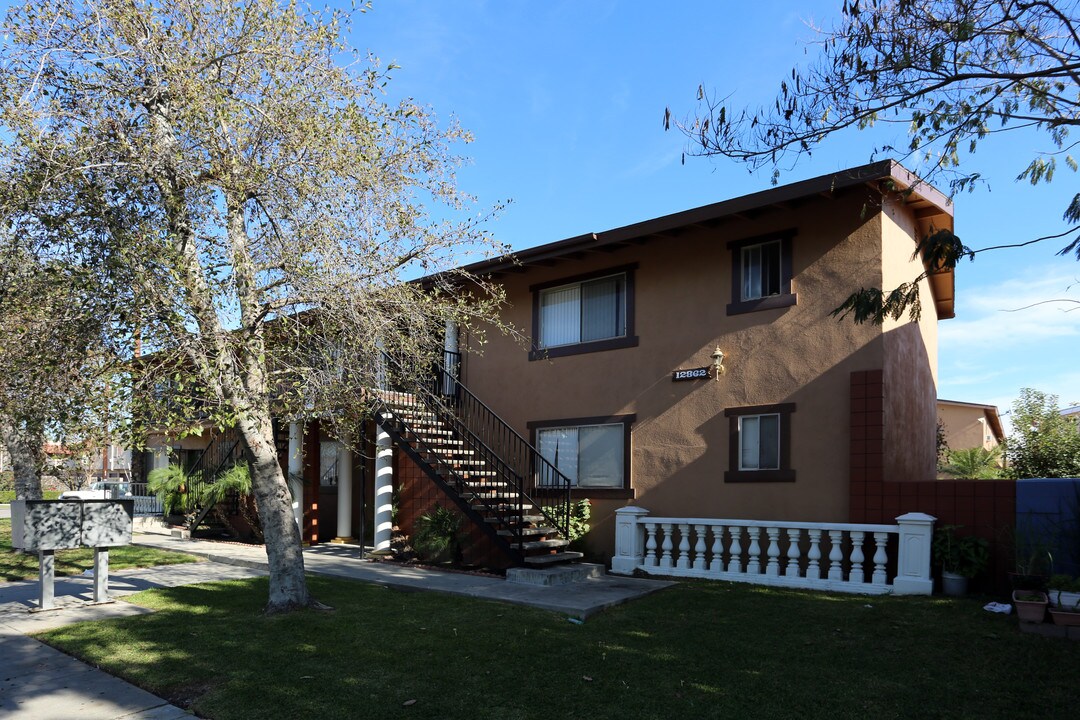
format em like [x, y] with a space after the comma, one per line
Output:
[493, 475]
[224, 451]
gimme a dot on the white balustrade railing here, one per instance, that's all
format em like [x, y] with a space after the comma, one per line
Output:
[843, 557]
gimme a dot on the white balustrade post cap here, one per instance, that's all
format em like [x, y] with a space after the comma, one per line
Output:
[916, 518]
[632, 510]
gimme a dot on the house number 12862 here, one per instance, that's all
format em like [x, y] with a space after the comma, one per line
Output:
[701, 373]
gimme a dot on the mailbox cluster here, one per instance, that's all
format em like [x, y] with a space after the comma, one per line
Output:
[50, 525]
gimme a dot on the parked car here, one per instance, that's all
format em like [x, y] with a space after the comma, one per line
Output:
[99, 491]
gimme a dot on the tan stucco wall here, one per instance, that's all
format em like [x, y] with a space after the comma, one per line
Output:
[680, 442]
[963, 429]
[910, 360]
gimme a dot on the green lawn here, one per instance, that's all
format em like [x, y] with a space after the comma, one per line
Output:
[696, 650]
[17, 566]
[7, 496]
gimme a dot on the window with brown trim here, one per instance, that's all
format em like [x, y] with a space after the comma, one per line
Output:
[759, 448]
[592, 452]
[584, 313]
[761, 273]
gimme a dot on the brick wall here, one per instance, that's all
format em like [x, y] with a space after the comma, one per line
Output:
[986, 508]
[418, 494]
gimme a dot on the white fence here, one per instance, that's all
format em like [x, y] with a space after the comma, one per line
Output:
[841, 557]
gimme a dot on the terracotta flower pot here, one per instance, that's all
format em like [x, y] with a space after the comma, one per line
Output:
[1065, 617]
[1030, 610]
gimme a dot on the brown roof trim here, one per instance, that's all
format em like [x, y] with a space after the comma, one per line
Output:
[928, 204]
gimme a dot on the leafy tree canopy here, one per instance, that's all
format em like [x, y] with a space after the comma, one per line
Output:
[1044, 443]
[951, 72]
[256, 205]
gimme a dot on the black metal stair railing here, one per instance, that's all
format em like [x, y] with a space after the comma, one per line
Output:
[530, 476]
[223, 452]
[452, 474]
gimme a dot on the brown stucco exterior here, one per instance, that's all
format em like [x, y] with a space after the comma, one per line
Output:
[797, 354]
[910, 352]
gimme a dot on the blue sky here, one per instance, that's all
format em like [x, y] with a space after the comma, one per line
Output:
[566, 101]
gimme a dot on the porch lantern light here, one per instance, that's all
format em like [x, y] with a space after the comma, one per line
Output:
[718, 362]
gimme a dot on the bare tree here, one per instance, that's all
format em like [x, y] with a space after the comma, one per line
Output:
[238, 162]
[951, 73]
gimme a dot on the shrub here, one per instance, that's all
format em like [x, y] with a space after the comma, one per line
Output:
[437, 535]
[973, 463]
[967, 555]
[172, 484]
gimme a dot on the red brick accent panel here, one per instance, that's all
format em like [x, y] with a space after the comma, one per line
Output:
[986, 508]
[866, 444]
[418, 494]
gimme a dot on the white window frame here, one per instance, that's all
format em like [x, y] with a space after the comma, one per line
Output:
[621, 320]
[743, 466]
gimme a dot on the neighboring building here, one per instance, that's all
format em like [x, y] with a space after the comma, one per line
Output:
[811, 416]
[1072, 412]
[970, 425]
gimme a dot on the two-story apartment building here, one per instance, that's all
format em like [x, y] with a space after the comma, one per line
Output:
[618, 385]
[807, 405]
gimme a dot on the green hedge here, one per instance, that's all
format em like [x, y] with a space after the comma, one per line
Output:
[7, 496]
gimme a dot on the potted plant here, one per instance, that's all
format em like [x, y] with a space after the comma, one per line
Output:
[1066, 614]
[1030, 605]
[1064, 598]
[960, 557]
[1033, 561]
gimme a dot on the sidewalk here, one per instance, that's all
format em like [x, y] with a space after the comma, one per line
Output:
[40, 683]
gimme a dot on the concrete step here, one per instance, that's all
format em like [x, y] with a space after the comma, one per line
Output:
[553, 558]
[530, 531]
[544, 544]
[478, 494]
[506, 508]
[558, 575]
[511, 519]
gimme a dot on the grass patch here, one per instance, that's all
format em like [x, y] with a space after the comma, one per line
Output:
[19, 566]
[696, 650]
[7, 496]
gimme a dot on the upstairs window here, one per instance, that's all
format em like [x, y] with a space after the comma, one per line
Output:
[582, 314]
[761, 271]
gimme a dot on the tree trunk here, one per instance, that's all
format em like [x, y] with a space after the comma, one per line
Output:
[24, 447]
[284, 552]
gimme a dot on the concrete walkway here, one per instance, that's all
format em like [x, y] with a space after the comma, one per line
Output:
[580, 599]
[40, 683]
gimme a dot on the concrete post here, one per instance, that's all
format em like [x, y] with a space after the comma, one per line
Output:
[629, 540]
[345, 494]
[296, 471]
[384, 489]
[913, 555]
[46, 579]
[101, 574]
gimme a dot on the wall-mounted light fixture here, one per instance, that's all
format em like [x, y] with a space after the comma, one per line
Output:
[718, 362]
